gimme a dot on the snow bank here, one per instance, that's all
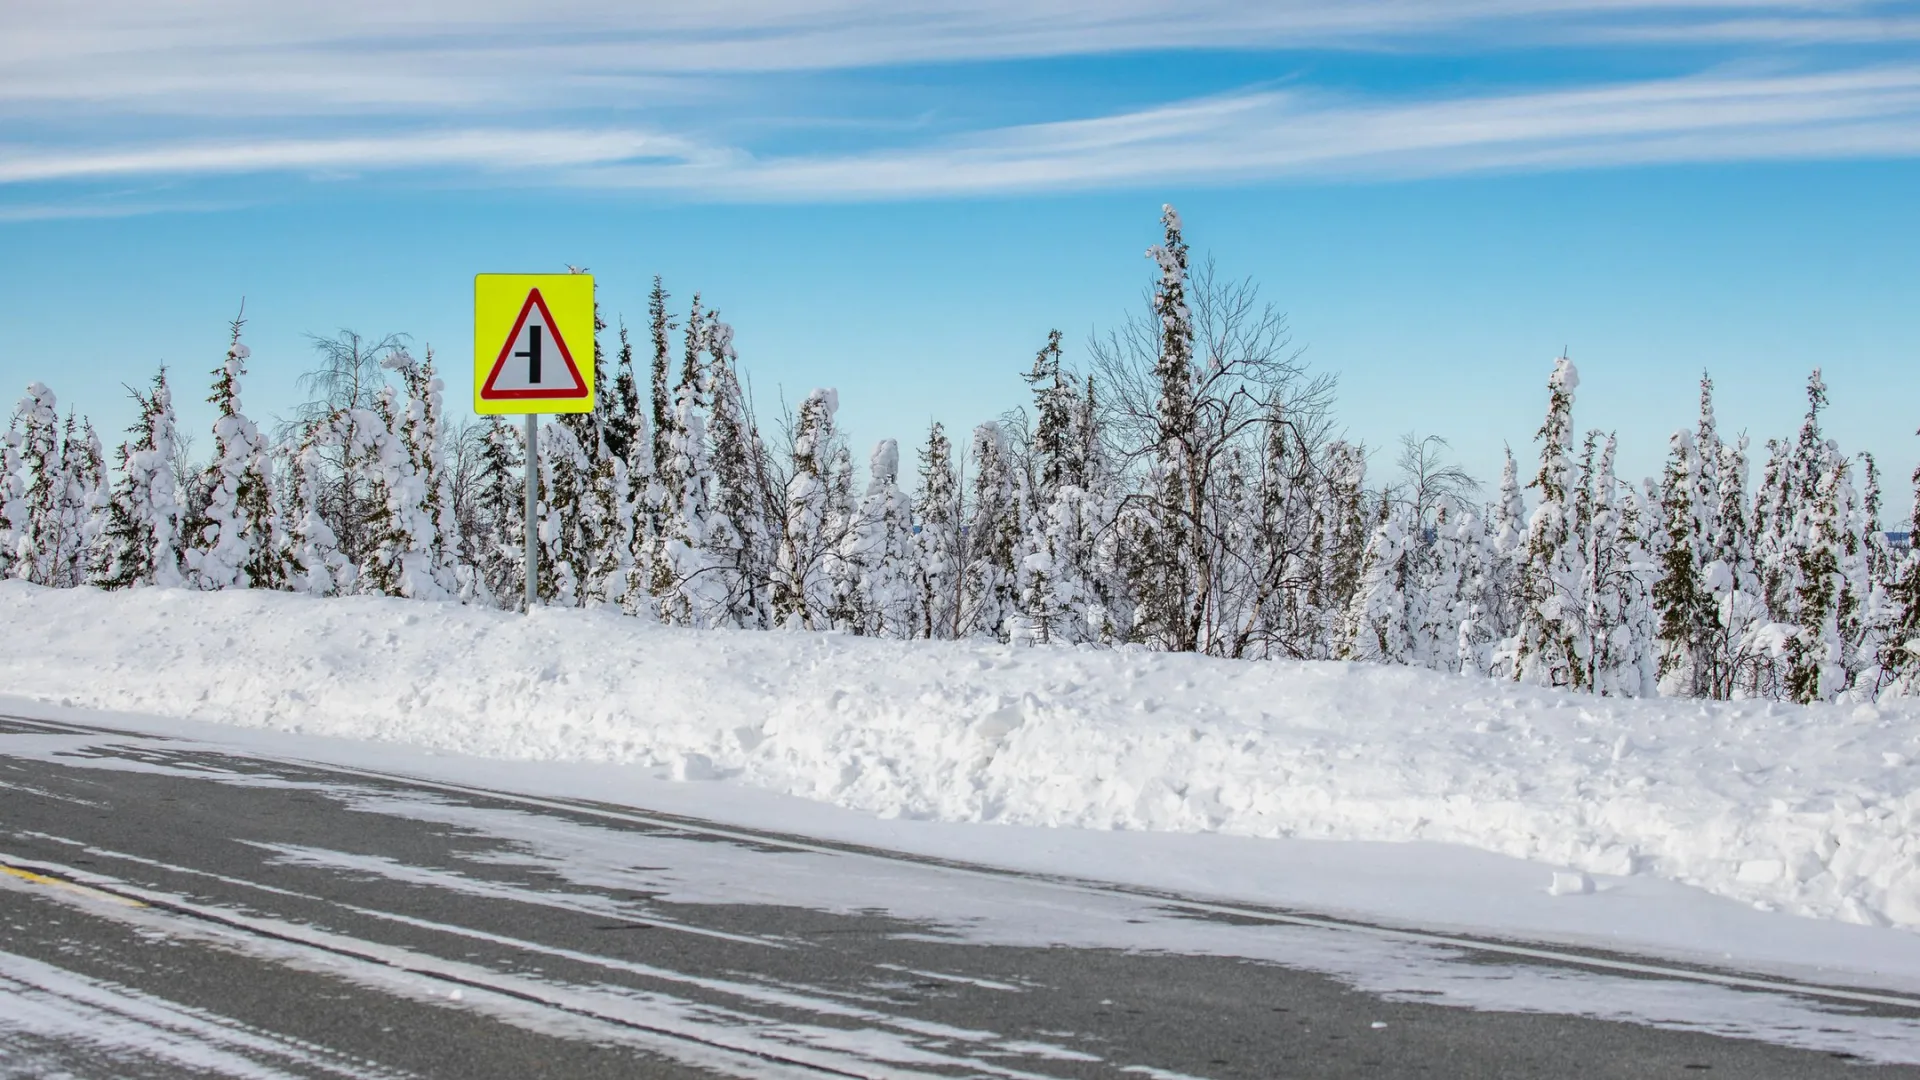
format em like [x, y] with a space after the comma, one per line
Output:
[1811, 810]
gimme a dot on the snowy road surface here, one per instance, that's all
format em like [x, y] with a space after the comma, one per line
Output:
[176, 908]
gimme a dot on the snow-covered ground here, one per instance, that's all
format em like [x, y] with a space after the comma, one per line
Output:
[1798, 811]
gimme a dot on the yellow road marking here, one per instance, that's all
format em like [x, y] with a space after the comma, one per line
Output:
[62, 883]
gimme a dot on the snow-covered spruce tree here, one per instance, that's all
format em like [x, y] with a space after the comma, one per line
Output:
[1432, 492]
[1680, 598]
[739, 539]
[1287, 548]
[1376, 625]
[623, 422]
[1050, 449]
[378, 464]
[1058, 562]
[596, 516]
[1550, 647]
[314, 563]
[1191, 387]
[629, 437]
[937, 567]
[234, 541]
[1808, 576]
[1900, 652]
[498, 542]
[1706, 441]
[1446, 588]
[1713, 532]
[1690, 664]
[140, 544]
[1853, 585]
[603, 520]
[1772, 525]
[1618, 617]
[802, 589]
[413, 512]
[344, 389]
[1110, 614]
[688, 588]
[842, 574]
[1506, 554]
[1030, 511]
[82, 509]
[1640, 537]
[424, 437]
[987, 591]
[1464, 544]
[608, 522]
[1817, 655]
[1345, 525]
[361, 454]
[1739, 601]
[1053, 559]
[880, 548]
[1055, 449]
[662, 481]
[565, 475]
[1870, 581]
[1167, 555]
[35, 481]
[13, 499]
[1876, 551]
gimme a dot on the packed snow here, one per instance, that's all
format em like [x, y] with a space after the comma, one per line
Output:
[1809, 810]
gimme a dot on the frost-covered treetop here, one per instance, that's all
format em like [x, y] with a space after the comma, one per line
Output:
[1565, 377]
[815, 423]
[990, 435]
[720, 340]
[885, 463]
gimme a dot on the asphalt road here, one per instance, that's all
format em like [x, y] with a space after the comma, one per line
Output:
[170, 909]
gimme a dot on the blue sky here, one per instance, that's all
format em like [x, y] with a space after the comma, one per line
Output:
[900, 199]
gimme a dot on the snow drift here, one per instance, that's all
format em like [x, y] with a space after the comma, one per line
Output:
[1814, 810]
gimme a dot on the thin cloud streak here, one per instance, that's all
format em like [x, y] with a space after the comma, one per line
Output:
[1239, 137]
[1272, 135]
[32, 212]
[1808, 31]
[214, 57]
[492, 150]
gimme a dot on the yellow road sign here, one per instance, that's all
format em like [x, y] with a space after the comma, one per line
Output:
[532, 343]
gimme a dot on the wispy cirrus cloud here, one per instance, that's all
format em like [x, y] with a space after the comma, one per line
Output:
[495, 150]
[1265, 135]
[650, 96]
[221, 56]
[1252, 135]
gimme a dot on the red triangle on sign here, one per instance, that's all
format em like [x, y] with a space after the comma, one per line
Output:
[521, 372]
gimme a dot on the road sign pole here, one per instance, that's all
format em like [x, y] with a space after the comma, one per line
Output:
[533, 508]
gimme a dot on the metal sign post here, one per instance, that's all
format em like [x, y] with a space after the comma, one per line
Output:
[533, 510]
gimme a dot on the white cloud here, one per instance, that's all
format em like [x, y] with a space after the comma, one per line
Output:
[1245, 136]
[494, 150]
[315, 57]
[575, 92]
[1264, 135]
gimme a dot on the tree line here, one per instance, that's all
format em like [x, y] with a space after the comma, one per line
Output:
[1188, 492]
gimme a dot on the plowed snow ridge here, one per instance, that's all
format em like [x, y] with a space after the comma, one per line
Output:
[1812, 810]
